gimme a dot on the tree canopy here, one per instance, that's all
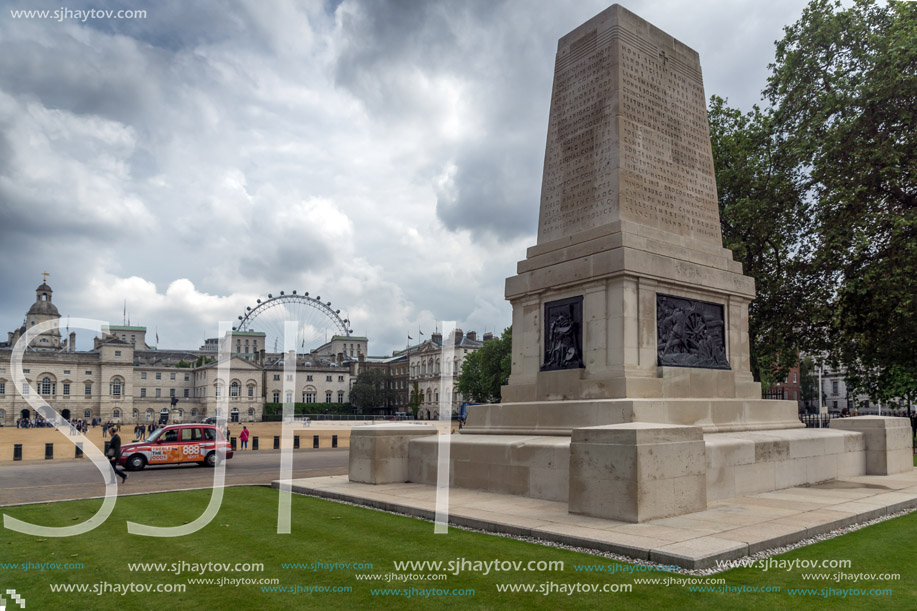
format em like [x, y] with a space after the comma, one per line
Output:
[485, 370]
[372, 390]
[818, 194]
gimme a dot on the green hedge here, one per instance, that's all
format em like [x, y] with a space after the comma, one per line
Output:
[301, 409]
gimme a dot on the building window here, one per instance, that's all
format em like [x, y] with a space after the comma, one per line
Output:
[171, 376]
[194, 413]
[234, 389]
[276, 377]
[251, 391]
[289, 377]
[187, 377]
[2, 388]
[89, 373]
[117, 353]
[142, 375]
[251, 413]
[795, 377]
[142, 393]
[340, 378]
[328, 396]
[172, 392]
[327, 378]
[276, 396]
[87, 414]
[88, 390]
[133, 339]
[217, 390]
[158, 393]
[289, 396]
[116, 414]
[340, 396]
[66, 372]
[833, 387]
[46, 386]
[185, 393]
[116, 387]
[308, 378]
[309, 397]
[158, 375]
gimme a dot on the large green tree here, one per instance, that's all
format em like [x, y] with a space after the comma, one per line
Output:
[372, 390]
[486, 370]
[762, 216]
[844, 95]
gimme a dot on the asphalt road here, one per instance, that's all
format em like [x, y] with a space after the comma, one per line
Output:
[43, 481]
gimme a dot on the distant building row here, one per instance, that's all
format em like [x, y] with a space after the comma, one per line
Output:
[123, 379]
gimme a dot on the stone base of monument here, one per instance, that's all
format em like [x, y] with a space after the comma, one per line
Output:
[712, 415]
[636, 471]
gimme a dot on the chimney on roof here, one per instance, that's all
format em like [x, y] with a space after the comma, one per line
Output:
[72, 341]
[458, 336]
[488, 336]
[472, 335]
[437, 338]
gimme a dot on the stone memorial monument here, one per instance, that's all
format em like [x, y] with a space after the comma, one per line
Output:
[631, 395]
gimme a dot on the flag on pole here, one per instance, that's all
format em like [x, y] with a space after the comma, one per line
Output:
[409, 337]
[157, 337]
[419, 331]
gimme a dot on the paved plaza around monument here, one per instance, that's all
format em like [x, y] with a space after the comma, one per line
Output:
[726, 530]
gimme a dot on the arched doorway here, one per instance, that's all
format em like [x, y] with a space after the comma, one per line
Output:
[65, 414]
[24, 414]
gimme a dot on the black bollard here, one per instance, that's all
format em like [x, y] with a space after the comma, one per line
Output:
[17, 451]
[254, 443]
[276, 442]
[79, 450]
[295, 442]
[49, 451]
[232, 443]
[314, 441]
[334, 441]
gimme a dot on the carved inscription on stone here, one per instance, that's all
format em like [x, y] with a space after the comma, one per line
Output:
[667, 176]
[628, 135]
[563, 334]
[690, 333]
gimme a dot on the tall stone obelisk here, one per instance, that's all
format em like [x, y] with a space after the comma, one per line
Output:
[628, 293]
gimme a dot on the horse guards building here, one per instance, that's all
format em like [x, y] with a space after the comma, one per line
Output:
[125, 380]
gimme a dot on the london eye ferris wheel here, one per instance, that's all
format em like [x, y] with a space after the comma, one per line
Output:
[316, 321]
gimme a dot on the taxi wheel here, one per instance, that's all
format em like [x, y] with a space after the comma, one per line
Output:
[211, 460]
[136, 462]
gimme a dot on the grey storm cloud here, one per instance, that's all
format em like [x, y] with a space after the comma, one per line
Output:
[384, 153]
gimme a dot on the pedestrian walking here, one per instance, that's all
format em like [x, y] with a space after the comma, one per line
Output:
[114, 453]
[243, 437]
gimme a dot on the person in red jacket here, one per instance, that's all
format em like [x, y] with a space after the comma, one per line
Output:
[243, 437]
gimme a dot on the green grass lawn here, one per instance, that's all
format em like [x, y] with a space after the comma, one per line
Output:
[327, 532]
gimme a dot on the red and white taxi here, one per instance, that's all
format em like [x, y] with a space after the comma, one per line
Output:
[176, 444]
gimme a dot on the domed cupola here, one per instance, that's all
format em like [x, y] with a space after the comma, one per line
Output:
[43, 305]
[42, 311]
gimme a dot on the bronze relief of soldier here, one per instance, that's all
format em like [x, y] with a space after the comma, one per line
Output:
[690, 333]
[563, 334]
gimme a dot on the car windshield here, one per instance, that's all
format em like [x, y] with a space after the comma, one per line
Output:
[154, 435]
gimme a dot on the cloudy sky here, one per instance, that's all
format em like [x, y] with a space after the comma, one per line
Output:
[386, 155]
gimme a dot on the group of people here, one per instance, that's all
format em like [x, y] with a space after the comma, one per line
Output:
[33, 423]
[141, 430]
